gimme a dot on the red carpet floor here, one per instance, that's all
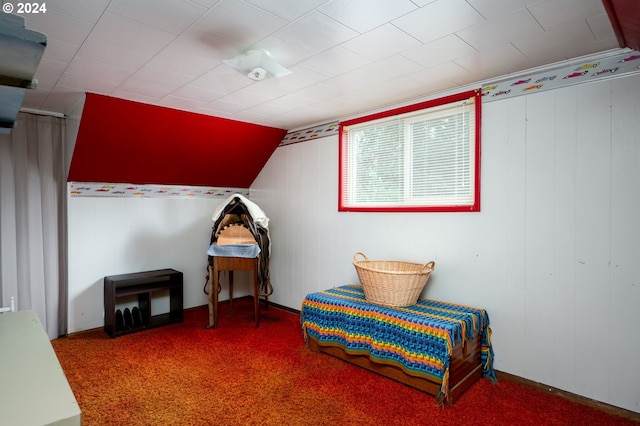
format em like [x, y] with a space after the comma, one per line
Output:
[184, 374]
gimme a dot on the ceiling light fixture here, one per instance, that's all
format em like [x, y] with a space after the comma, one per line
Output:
[257, 64]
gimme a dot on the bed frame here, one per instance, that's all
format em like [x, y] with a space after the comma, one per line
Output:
[465, 369]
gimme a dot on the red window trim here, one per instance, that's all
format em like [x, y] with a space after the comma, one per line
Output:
[475, 207]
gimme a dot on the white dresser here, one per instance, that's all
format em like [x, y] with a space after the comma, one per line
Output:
[33, 387]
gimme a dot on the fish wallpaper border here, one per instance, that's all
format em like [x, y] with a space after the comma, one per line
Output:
[93, 189]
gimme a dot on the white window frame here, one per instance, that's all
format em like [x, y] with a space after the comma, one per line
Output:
[461, 191]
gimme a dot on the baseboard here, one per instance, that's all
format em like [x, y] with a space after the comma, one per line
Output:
[262, 301]
[588, 402]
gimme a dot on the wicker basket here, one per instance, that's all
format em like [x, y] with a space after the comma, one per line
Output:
[391, 282]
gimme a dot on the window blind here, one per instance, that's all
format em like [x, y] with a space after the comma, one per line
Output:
[419, 158]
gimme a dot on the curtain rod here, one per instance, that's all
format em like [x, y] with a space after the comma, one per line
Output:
[41, 112]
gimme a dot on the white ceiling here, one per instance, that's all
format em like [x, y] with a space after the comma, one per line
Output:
[347, 56]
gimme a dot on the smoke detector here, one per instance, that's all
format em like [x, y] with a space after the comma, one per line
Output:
[257, 74]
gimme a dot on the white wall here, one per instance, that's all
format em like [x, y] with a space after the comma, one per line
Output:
[551, 256]
[111, 236]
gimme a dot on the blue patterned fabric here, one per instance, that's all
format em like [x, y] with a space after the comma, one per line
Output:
[234, 250]
[419, 339]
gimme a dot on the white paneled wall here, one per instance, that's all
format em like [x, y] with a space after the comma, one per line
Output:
[111, 236]
[551, 255]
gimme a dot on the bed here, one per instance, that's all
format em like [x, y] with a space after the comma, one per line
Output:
[440, 348]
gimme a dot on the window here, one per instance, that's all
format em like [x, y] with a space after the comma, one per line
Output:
[424, 157]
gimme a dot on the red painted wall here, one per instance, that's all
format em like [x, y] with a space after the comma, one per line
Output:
[121, 141]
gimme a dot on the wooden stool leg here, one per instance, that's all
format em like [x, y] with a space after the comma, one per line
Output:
[231, 290]
[212, 322]
[216, 284]
[256, 294]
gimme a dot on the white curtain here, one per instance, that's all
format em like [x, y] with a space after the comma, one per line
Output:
[33, 254]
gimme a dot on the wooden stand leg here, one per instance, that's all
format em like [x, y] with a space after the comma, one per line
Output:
[231, 290]
[214, 290]
[230, 264]
[256, 294]
[212, 314]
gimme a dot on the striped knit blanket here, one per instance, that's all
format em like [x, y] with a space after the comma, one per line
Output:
[419, 339]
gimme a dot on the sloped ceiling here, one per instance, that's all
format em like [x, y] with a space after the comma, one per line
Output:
[122, 141]
[625, 19]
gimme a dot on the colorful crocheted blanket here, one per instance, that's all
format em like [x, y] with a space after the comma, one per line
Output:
[419, 339]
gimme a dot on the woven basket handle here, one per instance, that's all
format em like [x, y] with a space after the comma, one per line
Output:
[361, 254]
[429, 266]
